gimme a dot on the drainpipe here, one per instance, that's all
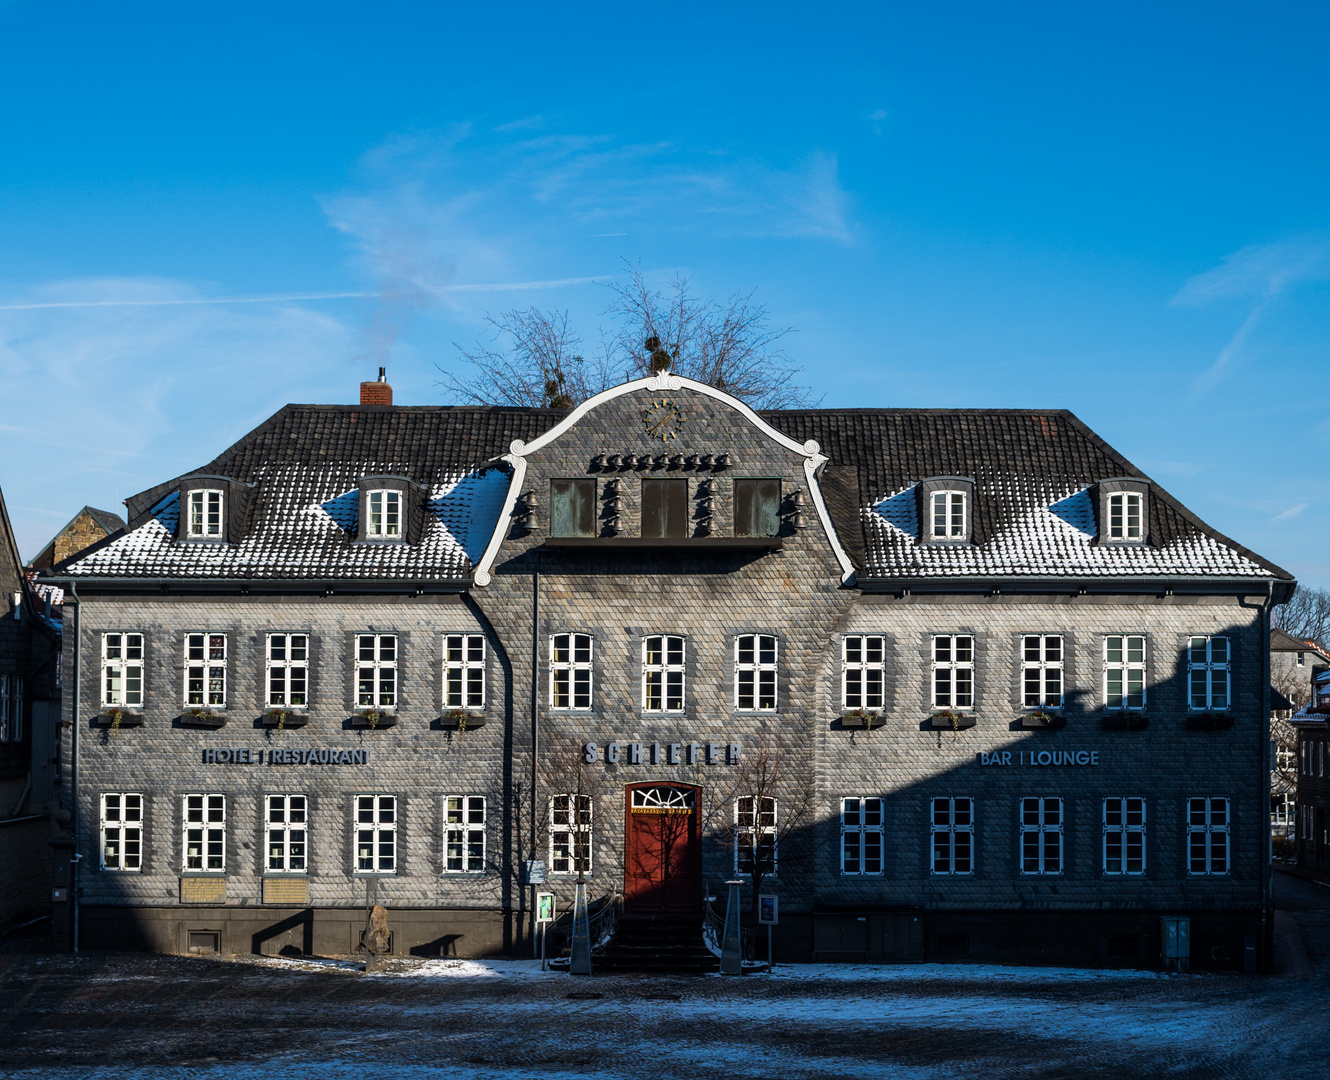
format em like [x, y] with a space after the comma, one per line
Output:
[75, 858]
[535, 720]
[1266, 872]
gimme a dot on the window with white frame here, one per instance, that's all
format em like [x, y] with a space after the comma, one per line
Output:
[952, 834]
[288, 670]
[860, 835]
[755, 672]
[953, 671]
[570, 671]
[122, 831]
[122, 669]
[1207, 835]
[947, 515]
[384, 508]
[464, 671]
[1124, 671]
[1124, 835]
[1302, 659]
[1041, 671]
[376, 834]
[754, 835]
[570, 834]
[287, 823]
[205, 669]
[863, 671]
[464, 834]
[1125, 516]
[376, 671]
[11, 708]
[1208, 670]
[205, 833]
[1041, 835]
[1281, 809]
[203, 517]
[662, 673]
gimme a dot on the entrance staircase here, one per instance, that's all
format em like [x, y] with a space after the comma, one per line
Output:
[657, 943]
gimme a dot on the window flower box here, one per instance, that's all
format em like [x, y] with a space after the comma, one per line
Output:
[861, 720]
[1125, 721]
[284, 718]
[114, 717]
[373, 719]
[1209, 721]
[951, 720]
[202, 716]
[460, 720]
[1039, 719]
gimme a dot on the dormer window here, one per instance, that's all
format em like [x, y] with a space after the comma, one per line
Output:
[1124, 511]
[203, 519]
[385, 515]
[946, 510]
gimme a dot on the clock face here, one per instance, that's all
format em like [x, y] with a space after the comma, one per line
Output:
[663, 419]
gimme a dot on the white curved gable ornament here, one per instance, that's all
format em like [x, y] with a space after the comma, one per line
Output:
[519, 450]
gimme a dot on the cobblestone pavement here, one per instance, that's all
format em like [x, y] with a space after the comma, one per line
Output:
[127, 1015]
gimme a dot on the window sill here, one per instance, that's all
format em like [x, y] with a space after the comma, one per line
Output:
[855, 721]
[679, 543]
[384, 719]
[1209, 721]
[203, 718]
[284, 718]
[451, 721]
[1040, 721]
[128, 718]
[1125, 721]
[952, 720]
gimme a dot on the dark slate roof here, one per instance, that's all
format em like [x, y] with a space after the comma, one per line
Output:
[1282, 641]
[1032, 513]
[107, 520]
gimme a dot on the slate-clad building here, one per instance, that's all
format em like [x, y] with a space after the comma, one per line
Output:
[953, 683]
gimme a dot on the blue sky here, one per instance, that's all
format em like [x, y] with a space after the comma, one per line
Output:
[207, 211]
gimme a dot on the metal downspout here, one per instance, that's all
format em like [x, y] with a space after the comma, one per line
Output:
[1267, 874]
[74, 857]
[535, 721]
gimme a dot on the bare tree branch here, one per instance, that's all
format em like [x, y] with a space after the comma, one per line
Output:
[1306, 615]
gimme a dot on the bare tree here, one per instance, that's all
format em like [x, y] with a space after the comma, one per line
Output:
[539, 364]
[571, 788]
[534, 358]
[1306, 615]
[765, 811]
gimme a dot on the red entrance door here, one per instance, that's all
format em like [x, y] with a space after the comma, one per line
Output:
[663, 869]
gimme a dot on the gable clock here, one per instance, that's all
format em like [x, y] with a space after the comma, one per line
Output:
[663, 419]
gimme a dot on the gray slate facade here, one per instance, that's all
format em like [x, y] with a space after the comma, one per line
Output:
[853, 556]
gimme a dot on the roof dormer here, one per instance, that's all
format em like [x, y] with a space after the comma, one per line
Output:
[213, 509]
[946, 510]
[392, 510]
[1123, 508]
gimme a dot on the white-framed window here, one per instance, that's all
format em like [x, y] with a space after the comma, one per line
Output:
[1208, 672]
[204, 833]
[1207, 835]
[1124, 671]
[464, 671]
[952, 834]
[288, 670]
[203, 517]
[287, 824]
[1125, 516]
[384, 519]
[205, 669]
[376, 834]
[1281, 809]
[946, 515]
[1041, 671]
[570, 671]
[11, 708]
[122, 831]
[860, 835]
[863, 671]
[755, 673]
[1124, 835]
[1041, 835]
[662, 673]
[1302, 659]
[464, 834]
[953, 671]
[122, 669]
[754, 835]
[376, 671]
[570, 834]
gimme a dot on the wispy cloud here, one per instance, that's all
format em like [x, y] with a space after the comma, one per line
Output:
[1291, 512]
[1260, 273]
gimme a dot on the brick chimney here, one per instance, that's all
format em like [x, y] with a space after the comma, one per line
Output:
[377, 393]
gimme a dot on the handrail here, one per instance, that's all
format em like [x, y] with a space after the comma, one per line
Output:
[713, 933]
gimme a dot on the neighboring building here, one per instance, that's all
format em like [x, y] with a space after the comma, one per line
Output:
[952, 683]
[1312, 724]
[1294, 665]
[29, 707]
[89, 526]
